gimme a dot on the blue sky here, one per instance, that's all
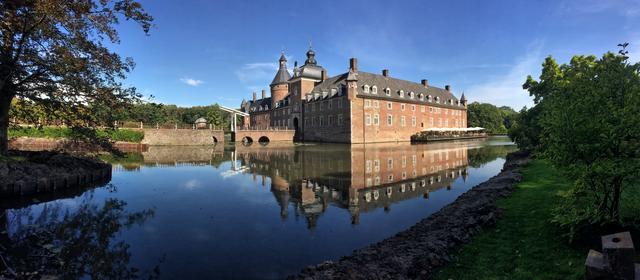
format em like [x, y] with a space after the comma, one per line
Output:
[205, 52]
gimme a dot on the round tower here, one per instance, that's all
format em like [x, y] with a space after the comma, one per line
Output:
[280, 85]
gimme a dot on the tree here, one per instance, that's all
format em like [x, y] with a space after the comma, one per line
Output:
[53, 54]
[487, 116]
[586, 120]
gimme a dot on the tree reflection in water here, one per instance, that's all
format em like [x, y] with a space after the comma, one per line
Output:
[71, 242]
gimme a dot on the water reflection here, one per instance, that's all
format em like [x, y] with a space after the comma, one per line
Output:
[359, 178]
[70, 240]
[226, 211]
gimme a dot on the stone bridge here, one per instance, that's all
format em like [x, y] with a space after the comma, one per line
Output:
[182, 137]
[262, 135]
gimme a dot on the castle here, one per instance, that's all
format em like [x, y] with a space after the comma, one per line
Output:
[352, 107]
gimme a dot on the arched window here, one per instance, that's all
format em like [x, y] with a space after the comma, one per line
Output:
[401, 93]
[374, 90]
[365, 88]
[421, 96]
[437, 99]
[411, 94]
[387, 91]
[430, 98]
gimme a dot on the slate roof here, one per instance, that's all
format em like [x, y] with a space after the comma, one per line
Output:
[263, 104]
[282, 76]
[338, 83]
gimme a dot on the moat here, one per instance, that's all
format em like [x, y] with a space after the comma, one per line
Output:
[251, 211]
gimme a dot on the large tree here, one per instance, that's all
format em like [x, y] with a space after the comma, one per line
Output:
[54, 53]
[586, 121]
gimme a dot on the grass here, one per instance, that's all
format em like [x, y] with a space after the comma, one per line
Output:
[523, 244]
[126, 135]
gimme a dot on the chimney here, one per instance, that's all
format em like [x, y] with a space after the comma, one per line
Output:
[323, 75]
[254, 96]
[353, 64]
[425, 82]
[264, 94]
[385, 72]
[448, 88]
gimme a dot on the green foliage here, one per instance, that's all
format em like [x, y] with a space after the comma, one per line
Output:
[586, 121]
[523, 244]
[125, 135]
[495, 120]
[55, 55]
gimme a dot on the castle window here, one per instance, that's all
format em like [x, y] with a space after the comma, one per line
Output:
[411, 94]
[421, 96]
[402, 121]
[437, 99]
[422, 109]
[376, 119]
[339, 119]
[389, 105]
[365, 88]
[413, 108]
[376, 104]
[330, 104]
[387, 91]
[374, 90]
[402, 107]
[401, 93]
[367, 119]
[430, 98]
[389, 120]
[367, 103]
[413, 121]
[330, 120]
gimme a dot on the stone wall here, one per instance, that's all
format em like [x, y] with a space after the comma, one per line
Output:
[182, 137]
[67, 145]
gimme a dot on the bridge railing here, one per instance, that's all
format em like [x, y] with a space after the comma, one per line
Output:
[141, 125]
[263, 128]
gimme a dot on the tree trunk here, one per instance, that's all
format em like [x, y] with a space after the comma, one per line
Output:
[615, 199]
[5, 104]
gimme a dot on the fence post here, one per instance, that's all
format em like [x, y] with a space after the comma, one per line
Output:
[141, 125]
[157, 126]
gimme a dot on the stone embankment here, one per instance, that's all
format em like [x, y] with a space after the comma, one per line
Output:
[43, 172]
[418, 251]
[67, 145]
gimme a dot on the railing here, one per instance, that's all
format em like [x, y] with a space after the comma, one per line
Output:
[141, 125]
[262, 128]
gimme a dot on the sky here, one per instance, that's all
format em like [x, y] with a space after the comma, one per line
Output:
[204, 52]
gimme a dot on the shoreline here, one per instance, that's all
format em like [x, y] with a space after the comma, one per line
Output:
[419, 250]
[45, 172]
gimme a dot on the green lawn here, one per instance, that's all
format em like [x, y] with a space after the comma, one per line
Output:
[523, 244]
[126, 135]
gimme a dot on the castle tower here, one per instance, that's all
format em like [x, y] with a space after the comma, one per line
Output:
[279, 85]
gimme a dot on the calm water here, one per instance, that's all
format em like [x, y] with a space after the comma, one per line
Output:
[257, 211]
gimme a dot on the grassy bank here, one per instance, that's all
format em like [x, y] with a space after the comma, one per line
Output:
[523, 244]
[126, 135]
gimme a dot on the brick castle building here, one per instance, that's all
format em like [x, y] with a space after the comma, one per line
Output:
[352, 107]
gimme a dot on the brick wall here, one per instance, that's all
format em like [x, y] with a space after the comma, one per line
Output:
[406, 119]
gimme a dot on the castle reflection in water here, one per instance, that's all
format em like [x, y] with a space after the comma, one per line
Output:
[311, 178]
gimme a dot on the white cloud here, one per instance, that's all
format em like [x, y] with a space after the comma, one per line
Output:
[506, 89]
[191, 82]
[192, 184]
[258, 72]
